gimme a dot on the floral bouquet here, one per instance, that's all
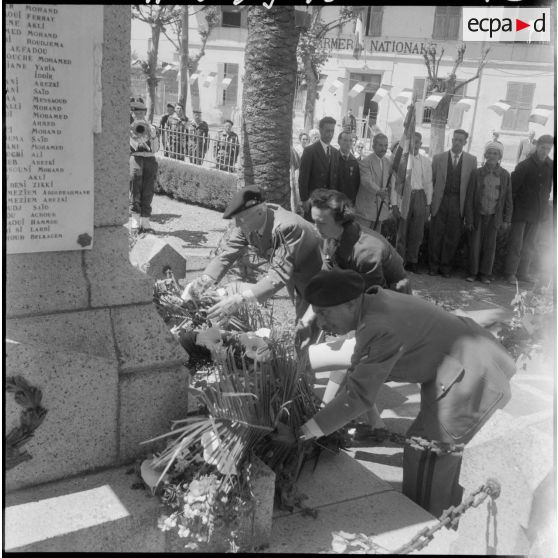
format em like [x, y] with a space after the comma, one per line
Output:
[253, 396]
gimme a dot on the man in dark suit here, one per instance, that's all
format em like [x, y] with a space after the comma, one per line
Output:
[531, 186]
[348, 175]
[463, 371]
[319, 163]
[451, 172]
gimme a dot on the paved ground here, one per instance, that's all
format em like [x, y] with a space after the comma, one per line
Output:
[190, 228]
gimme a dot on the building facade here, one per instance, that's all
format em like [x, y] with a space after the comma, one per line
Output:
[394, 38]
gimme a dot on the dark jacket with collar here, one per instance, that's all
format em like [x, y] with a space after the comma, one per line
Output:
[370, 254]
[348, 176]
[316, 171]
[504, 205]
[531, 185]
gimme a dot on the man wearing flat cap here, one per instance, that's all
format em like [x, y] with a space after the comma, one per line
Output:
[199, 139]
[488, 208]
[285, 239]
[463, 371]
[531, 186]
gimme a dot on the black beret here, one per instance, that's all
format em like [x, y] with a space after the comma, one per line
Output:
[330, 288]
[170, 105]
[243, 199]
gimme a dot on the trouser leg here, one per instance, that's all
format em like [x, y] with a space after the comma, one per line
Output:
[150, 168]
[488, 249]
[401, 242]
[515, 246]
[474, 249]
[529, 239]
[437, 230]
[452, 234]
[415, 228]
[136, 181]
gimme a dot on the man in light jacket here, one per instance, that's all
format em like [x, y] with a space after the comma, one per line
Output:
[372, 200]
[410, 229]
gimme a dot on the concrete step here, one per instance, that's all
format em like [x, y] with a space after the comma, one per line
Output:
[100, 513]
[93, 513]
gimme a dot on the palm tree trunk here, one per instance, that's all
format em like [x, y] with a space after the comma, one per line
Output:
[267, 104]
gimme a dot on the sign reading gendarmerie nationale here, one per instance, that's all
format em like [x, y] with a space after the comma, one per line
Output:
[393, 45]
[50, 85]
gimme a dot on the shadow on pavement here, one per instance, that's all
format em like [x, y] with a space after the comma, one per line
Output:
[193, 238]
[163, 218]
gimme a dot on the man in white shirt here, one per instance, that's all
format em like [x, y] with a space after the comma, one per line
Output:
[410, 230]
[372, 199]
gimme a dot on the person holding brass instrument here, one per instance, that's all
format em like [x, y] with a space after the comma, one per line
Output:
[143, 166]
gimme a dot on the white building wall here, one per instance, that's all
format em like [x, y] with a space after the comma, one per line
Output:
[396, 57]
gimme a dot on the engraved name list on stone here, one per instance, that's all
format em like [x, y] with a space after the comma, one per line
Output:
[49, 103]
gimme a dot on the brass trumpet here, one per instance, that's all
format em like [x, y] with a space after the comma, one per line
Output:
[140, 131]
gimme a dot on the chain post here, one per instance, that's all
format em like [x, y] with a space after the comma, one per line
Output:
[491, 488]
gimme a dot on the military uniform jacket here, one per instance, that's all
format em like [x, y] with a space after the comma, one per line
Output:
[288, 242]
[370, 254]
[463, 371]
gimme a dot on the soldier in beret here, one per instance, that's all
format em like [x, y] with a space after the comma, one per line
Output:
[285, 239]
[463, 371]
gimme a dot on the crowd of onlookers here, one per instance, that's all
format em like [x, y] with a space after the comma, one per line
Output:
[452, 192]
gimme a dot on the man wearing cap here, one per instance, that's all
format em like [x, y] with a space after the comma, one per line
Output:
[531, 186]
[143, 166]
[463, 371]
[227, 148]
[199, 139]
[164, 124]
[178, 133]
[488, 208]
[285, 239]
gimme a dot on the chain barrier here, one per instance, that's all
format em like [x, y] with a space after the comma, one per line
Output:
[450, 517]
[416, 442]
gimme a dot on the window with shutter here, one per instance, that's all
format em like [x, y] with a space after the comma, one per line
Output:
[374, 18]
[447, 21]
[520, 98]
[230, 94]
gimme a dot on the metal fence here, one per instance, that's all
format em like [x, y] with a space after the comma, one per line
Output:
[212, 150]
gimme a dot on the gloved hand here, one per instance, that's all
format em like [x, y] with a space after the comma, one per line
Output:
[197, 287]
[225, 307]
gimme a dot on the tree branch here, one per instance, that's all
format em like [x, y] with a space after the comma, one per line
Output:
[481, 65]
